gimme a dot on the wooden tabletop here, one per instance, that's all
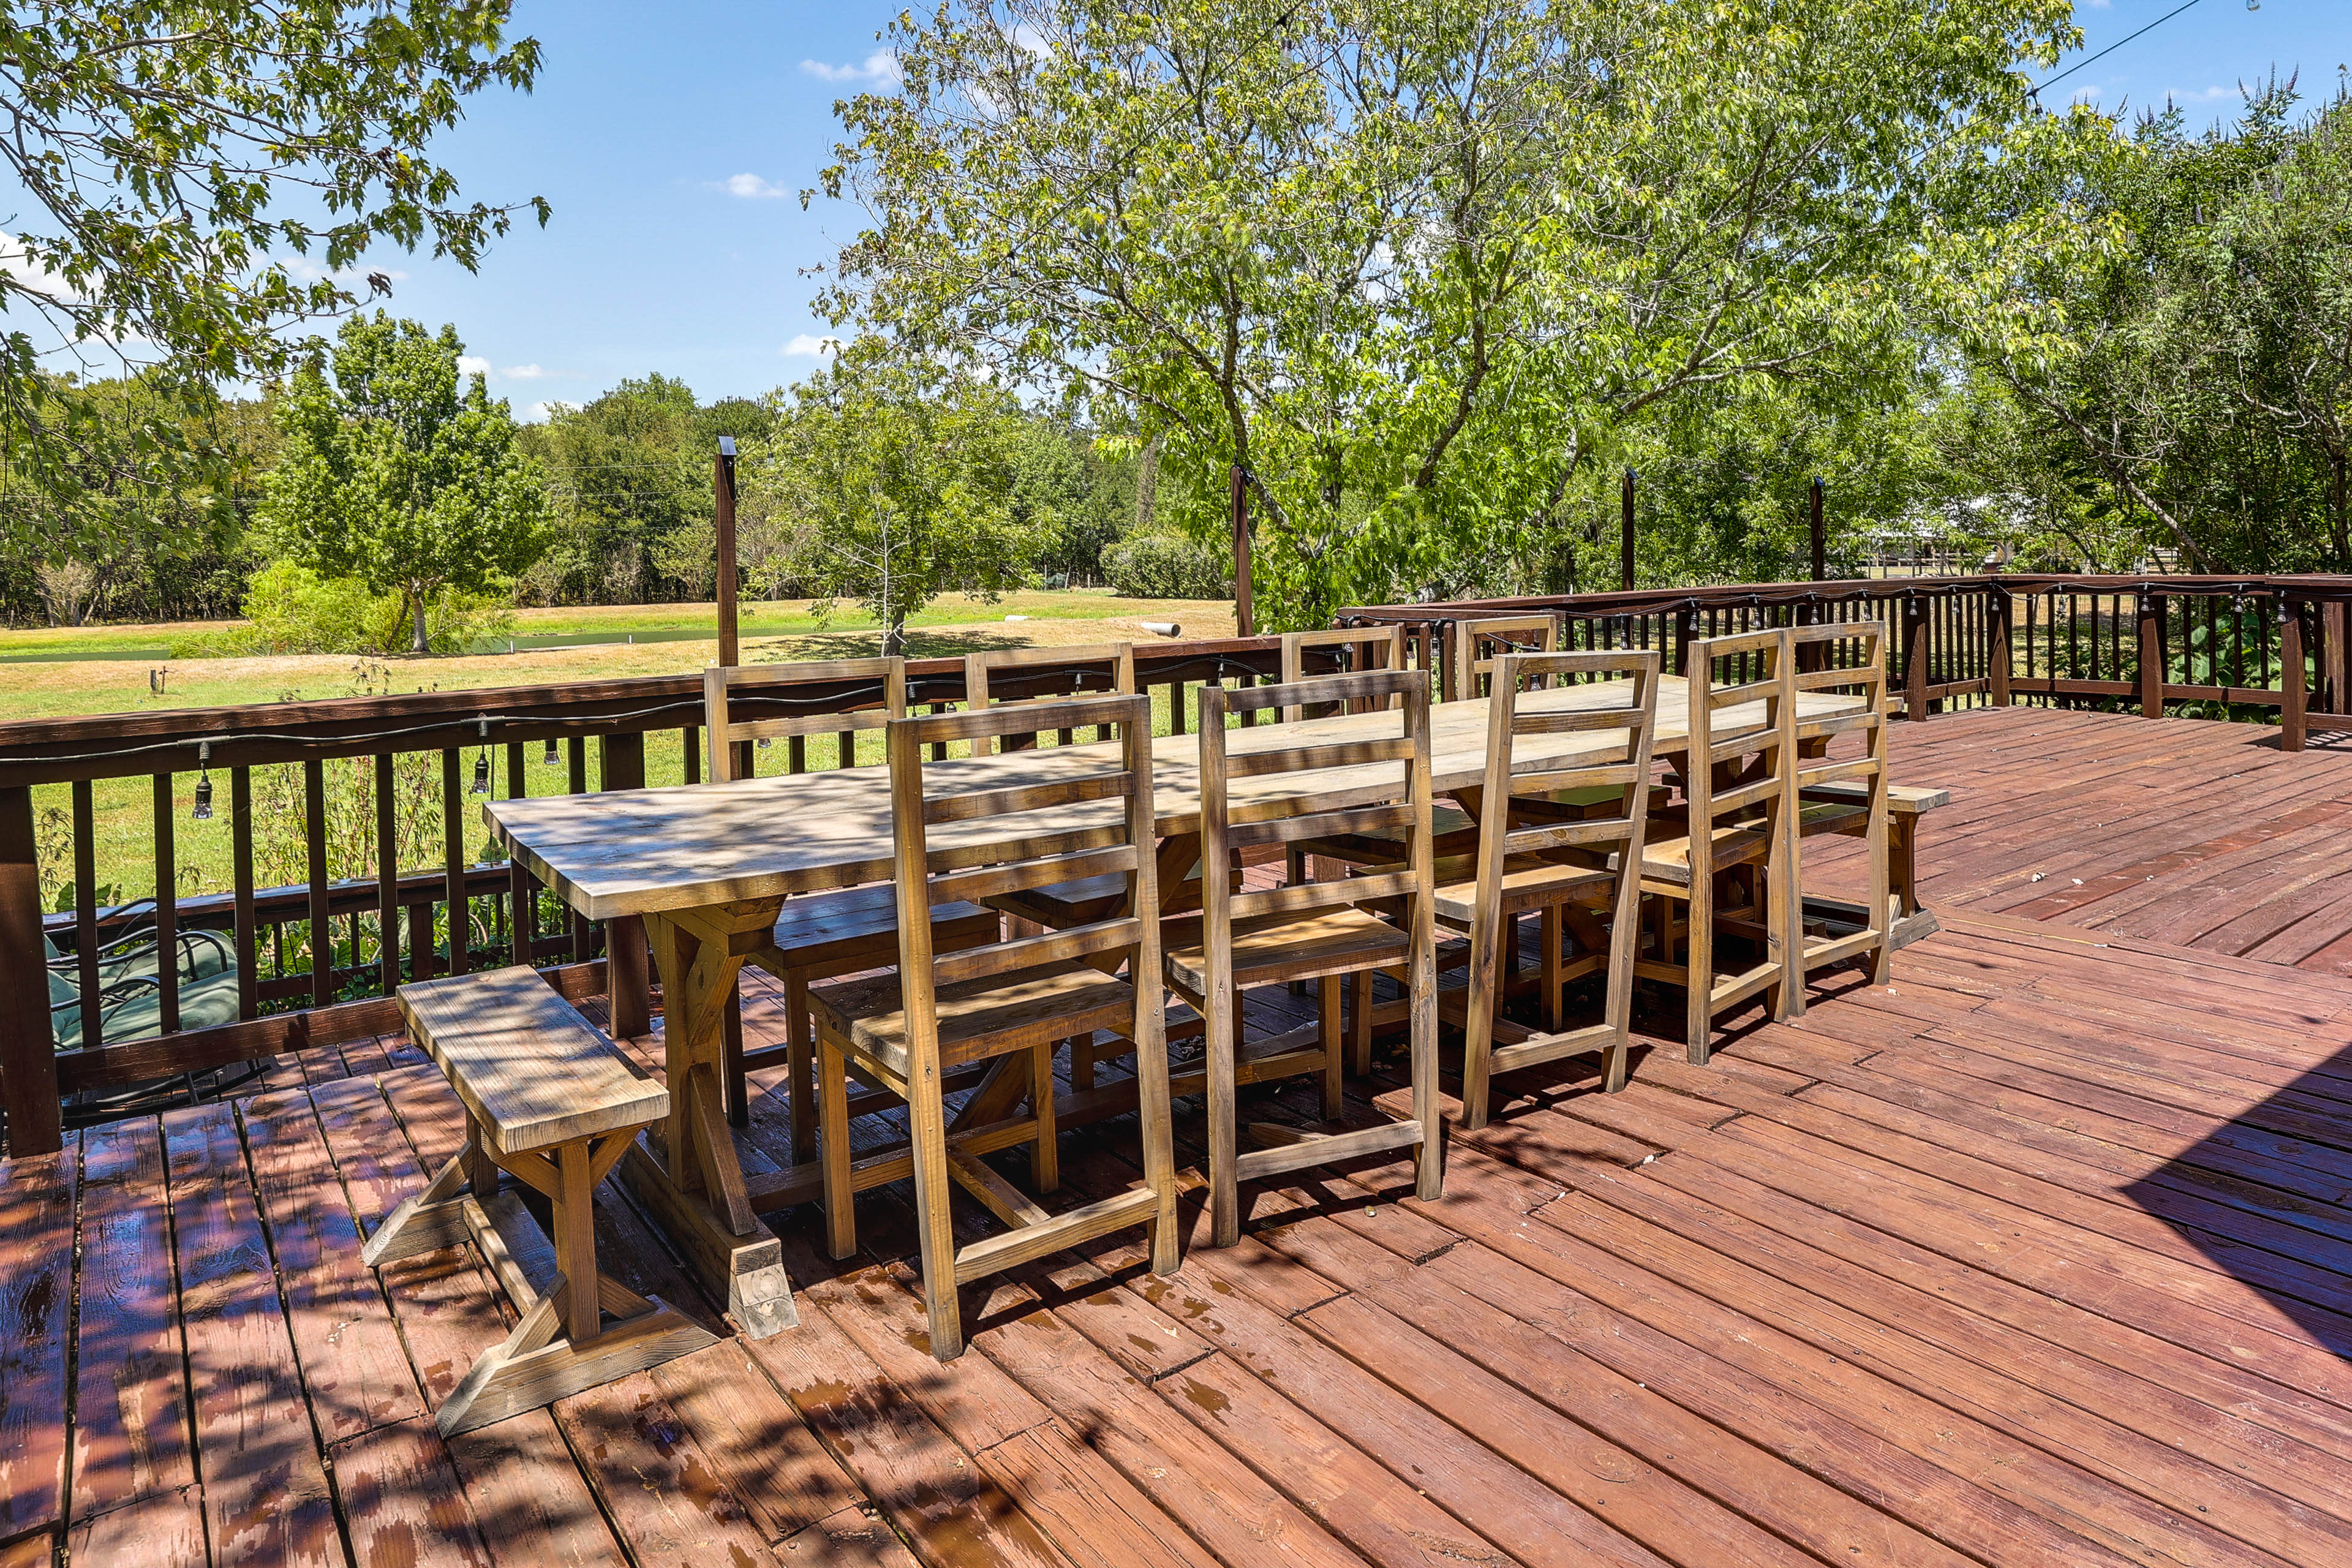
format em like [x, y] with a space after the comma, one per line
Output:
[631, 852]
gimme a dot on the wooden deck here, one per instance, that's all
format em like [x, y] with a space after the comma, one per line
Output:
[2037, 1257]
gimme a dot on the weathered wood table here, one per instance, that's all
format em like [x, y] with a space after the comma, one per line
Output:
[709, 866]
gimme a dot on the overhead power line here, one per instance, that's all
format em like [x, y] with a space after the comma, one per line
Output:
[2035, 89]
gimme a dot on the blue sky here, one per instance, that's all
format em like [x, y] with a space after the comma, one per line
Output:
[672, 141]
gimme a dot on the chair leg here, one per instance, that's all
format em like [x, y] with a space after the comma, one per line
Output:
[800, 1067]
[1220, 1010]
[1045, 1155]
[1548, 935]
[833, 1149]
[1698, 976]
[927, 1128]
[574, 1214]
[1360, 1025]
[1295, 869]
[730, 1026]
[1327, 1034]
[1082, 1063]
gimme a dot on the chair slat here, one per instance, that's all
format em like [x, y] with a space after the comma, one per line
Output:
[1299, 898]
[1572, 723]
[971, 804]
[1029, 952]
[1316, 825]
[1018, 719]
[1303, 759]
[1562, 835]
[1045, 871]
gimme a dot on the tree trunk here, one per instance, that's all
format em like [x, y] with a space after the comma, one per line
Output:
[894, 639]
[421, 643]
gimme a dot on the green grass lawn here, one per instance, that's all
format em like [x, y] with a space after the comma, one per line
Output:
[122, 809]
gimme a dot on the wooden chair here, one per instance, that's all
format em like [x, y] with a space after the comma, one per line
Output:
[1843, 796]
[1367, 649]
[1006, 1003]
[1552, 866]
[550, 1102]
[1478, 644]
[823, 935]
[1044, 675]
[1317, 931]
[1739, 790]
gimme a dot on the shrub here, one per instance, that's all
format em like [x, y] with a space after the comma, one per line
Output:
[292, 609]
[1166, 566]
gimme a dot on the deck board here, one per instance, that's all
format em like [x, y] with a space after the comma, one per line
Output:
[2040, 1254]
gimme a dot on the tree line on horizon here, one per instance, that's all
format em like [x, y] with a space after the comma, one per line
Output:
[1434, 275]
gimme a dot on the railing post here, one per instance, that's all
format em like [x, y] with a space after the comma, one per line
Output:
[2291, 693]
[1244, 609]
[28, 1052]
[1625, 532]
[1998, 654]
[2151, 656]
[1915, 659]
[1820, 535]
[626, 980]
[2334, 660]
[722, 495]
[1686, 633]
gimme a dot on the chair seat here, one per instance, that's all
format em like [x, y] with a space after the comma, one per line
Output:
[1450, 831]
[1527, 885]
[1902, 800]
[977, 1019]
[858, 928]
[1291, 947]
[1823, 818]
[1667, 860]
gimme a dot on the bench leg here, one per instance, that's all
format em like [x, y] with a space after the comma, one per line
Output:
[574, 1214]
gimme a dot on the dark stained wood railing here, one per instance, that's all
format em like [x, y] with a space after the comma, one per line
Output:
[2203, 647]
[320, 959]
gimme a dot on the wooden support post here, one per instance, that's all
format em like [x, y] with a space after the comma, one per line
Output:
[2334, 660]
[1915, 659]
[1998, 652]
[28, 1053]
[1244, 611]
[2151, 656]
[627, 981]
[723, 496]
[2291, 678]
[1625, 532]
[1820, 539]
[1686, 633]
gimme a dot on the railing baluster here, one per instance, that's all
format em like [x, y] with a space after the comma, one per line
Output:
[522, 889]
[241, 918]
[323, 929]
[167, 908]
[85, 843]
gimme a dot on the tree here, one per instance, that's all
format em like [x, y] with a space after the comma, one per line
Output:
[392, 476]
[896, 479]
[1414, 263]
[199, 174]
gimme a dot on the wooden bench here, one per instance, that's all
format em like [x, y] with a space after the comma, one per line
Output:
[1904, 805]
[550, 1101]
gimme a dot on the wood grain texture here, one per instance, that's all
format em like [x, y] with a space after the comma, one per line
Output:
[131, 1410]
[37, 1232]
[525, 1062]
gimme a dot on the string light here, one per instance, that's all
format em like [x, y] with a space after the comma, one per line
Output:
[204, 812]
[551, 759]
[482, 763]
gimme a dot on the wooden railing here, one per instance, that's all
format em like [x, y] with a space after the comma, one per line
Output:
[320, 959]
[2207, 647]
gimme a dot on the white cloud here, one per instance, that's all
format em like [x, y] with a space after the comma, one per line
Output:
[525, 373]
[302, 270]
[805, 345]
[2101, 4]
[2083, 95]
[751, 187]
[539, 413]
[878, 67]
[2208, 95]
[473, 365]
[29, 275]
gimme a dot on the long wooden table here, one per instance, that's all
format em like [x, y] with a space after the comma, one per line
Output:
[709, 866]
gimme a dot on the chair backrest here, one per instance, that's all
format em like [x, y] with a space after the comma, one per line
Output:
[1366, 648]
[1740, 764]
[1478, 644]
[1613, 718]
[1380, 772]
[962, 834]
[731, 693]
[1037, 677]
[1847, 658]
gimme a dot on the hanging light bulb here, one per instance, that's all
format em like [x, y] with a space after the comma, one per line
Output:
[765, 742]
[204, 812]
[482, 763]
[551, 759]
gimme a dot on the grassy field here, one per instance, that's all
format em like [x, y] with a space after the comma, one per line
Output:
[122, 812]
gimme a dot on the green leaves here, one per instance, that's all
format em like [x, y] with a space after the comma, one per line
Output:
[1416, 264]
[392, 476]
[200, 174]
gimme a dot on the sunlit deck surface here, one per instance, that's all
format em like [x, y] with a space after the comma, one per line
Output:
[2038, 1257]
